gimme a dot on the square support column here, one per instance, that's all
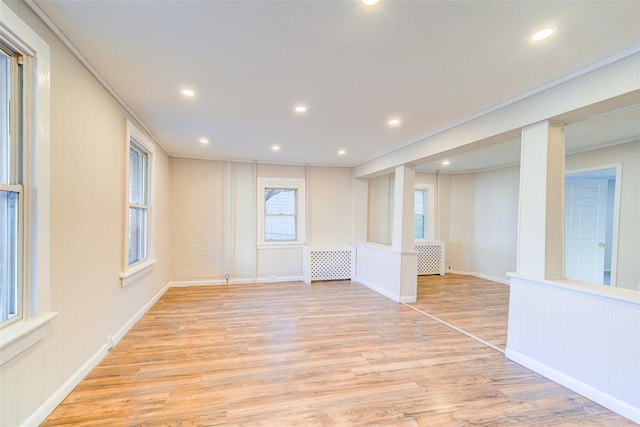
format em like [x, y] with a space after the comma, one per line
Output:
[541, 210]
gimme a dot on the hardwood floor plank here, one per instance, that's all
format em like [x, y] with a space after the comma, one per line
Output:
[326, 354]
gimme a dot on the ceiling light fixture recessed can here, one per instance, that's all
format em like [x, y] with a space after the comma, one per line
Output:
[342, 152]
[445, 163]
[542, 34]
[275, 147]
[300, 109]
[370, 2]
[394, 122]
[203, 141]
[187, 92]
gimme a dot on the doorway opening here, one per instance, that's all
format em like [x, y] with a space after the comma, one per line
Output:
[591, 224]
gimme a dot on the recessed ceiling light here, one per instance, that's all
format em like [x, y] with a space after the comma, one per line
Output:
[445, 163]
[188, 92]
[342, 152]
[204, 141]
[394, 122]
[542, 34]
[370, 2]
[275, 147]
[300, 109]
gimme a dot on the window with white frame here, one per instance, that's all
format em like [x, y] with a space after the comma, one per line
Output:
[11, 188]
[423, 225]
[24, 168]
[281, 216]
[138, 222]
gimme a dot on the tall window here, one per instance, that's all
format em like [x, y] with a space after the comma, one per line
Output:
[280, 214]
[138, 233]
[11, 188]
[138, 203]
[420, 215]
[281, 211]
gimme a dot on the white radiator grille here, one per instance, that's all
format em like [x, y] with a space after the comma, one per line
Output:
[430, 257]
[328, 263]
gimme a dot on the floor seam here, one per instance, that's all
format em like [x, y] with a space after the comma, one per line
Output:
[455, 328]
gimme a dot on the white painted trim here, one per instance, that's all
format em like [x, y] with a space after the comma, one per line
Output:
[619, 294]
[278, 279]
[84, 61]
[377, 289]
[298, 184]
[464, 273]
[592, 67]
[120, 333]
[23, 335]
[491, 278]
[136, 272]
[598, 396]
[385, 248]
[44, 410]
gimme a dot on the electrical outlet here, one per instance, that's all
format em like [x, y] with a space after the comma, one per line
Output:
[176, 275]
[109, 342]
[226, 276]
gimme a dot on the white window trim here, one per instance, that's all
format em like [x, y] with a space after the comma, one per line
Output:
[301, 222]
[131, 273]
[21, 335]
[430, 215]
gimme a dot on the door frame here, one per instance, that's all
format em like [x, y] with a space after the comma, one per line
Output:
[616, 211]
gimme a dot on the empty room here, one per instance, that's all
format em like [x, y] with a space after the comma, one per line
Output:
[319, 213]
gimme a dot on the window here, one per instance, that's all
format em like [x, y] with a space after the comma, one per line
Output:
[11, 188]
[281, 216]
[138, 222]
[420, 209]
[24, 168]
[424, 213]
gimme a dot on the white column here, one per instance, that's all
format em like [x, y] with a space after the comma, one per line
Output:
[403, 209]
[540, 217]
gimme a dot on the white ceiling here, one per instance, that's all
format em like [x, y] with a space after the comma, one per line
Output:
[430, 63]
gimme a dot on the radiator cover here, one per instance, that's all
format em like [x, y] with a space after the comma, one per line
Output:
[430, 257]
[328, 263]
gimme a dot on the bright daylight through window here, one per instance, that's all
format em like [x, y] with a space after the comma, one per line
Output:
[420, 218]
[280, 214]
[138, 203]
[11, 188]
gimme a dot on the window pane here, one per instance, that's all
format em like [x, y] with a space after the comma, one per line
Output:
[5, 140]
[419, 202]
[280, 228]
[418, 226]
[137, 235]
[9, 292]
[280, 201]
[137, 172]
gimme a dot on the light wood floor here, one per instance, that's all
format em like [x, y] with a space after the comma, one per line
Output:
[327, 354]
[477, 306]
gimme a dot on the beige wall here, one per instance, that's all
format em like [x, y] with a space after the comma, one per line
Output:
[380, 209]
[214, 218]
[87, 211]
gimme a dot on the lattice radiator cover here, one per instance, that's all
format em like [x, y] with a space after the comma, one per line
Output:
[328, 263]
[430, 257]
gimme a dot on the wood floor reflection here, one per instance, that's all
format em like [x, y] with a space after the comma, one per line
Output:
[326, 354]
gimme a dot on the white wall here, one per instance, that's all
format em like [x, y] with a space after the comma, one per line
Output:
[495, 222]
[87, 211]
[380, 210]
[214, 218]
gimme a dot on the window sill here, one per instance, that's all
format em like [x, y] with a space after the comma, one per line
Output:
[280, 245]
[136, 272]
[20, 336]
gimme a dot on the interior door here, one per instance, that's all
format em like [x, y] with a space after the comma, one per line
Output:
[585, 229]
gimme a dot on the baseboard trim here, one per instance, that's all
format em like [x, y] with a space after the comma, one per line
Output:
[378, 289]
[44, 410]
[491, 278]
[247, 281]
[120, 333]
[39, 415]
[620, 407]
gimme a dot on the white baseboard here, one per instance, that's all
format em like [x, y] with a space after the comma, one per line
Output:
[608, 401]
[491, 278]
[39, 415]
[464, 273]
[246, 281]
[378, 289]
[120, 333]
[278, 279]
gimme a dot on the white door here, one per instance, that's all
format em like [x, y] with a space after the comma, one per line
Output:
[585, 229]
